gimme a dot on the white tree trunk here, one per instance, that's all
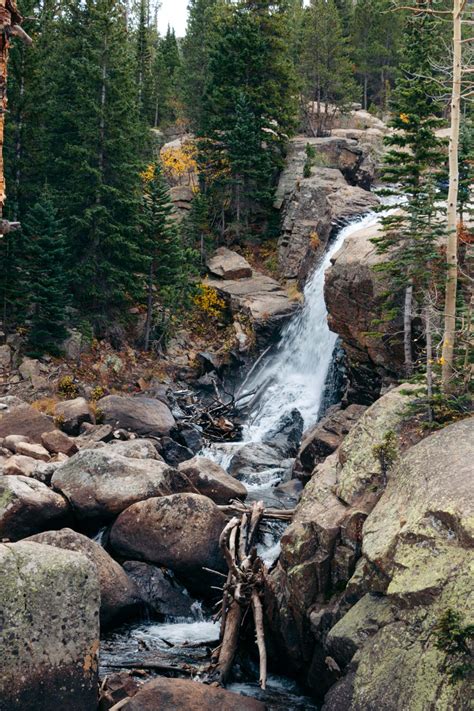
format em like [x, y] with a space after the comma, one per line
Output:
[452, 239]
[407, 330]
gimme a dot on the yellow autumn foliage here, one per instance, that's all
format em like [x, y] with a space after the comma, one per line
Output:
[180, 163]
[208, 300]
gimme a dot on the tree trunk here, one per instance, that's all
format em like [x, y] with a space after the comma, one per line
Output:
[407, 329]
[149, 309]
[366, 84]
[429, 361]
[452, 239]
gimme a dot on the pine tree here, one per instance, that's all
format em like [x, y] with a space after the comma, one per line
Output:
[413, 163]
[327, 74]
[46, 252]
[144, 62]
[169, 262]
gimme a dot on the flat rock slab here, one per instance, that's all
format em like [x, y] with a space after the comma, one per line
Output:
[25, 420]
[49, 634]
[145, 416]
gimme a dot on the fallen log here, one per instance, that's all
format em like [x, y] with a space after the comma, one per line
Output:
[237, 507]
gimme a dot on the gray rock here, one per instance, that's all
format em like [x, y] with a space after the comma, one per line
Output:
[286, 435]
[49, 635]
[227, 264]
[257, 463]
[100, 483]
[5, 357]
[180, 532]
[174, 453]
[159, 589]
[142, 415]
[29, 368]
[118, 594]
[72, 413]
[11, 441]
[136, 449]
[212, 480]
[28, 506]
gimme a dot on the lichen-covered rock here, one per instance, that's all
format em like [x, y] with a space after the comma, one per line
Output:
[142, 415]
[101, 484]
[180, 532]
[417, 554]
[27, 506]
[49, 636]
[118, 594]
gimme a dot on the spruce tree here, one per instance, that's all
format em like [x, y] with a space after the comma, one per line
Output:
[169, 262]
[48, 293]
[413, 164]
[328, 83]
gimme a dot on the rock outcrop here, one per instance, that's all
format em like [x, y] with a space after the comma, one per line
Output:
[49, 634]
[118, 594]
[354, 295]
[313, 206]
[101, 484]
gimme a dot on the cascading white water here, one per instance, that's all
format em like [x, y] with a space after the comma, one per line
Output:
[295, 374]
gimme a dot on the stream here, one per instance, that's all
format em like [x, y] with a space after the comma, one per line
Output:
[293, 375]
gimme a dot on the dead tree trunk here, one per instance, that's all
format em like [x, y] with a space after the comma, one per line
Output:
[241, 592]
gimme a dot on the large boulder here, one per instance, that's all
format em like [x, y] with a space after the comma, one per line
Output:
[416, 568]
[159, 589]
[286, 435]
[49, 634]
[258, 463]
[23, 419]
[28, 506]
[180, 532]
[321, 547]
[162, 694]
[101, 484]
[118, 594]
[311, 206]
[227, 264]
[211, 480]
[355, 298]
[143, 415]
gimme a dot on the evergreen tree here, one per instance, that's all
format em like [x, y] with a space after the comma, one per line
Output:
[45, 250]
[326, 68]
[169, 262]
[144, 63]
[413, 163]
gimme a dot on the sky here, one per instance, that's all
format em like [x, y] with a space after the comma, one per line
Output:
[173, 13]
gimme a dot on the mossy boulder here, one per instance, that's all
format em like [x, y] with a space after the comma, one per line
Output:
[49, 636]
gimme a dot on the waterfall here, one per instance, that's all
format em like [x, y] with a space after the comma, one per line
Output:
[295, 373]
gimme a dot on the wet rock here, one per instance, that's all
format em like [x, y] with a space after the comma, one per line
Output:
[259, 463]
[180, 532]
[212, 480]
[28, 506]
[162, 693]
[325, 437]
[174, 453]
[142, 415]
[118, 594]
[19, 465]
[289, 493]
[35, 451]
[22, 419]
[117, 687]
[72, 413]
[159, 589]
[355, 298]
[286, 435]
[57, 441]
[191, 438]
[227, 264]
[11, 441]
[100, 483]
[49, 661]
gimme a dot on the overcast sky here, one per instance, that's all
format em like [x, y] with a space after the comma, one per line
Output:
[173, 13]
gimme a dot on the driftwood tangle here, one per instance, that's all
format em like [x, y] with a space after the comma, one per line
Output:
[242, 591]
[10, 26]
